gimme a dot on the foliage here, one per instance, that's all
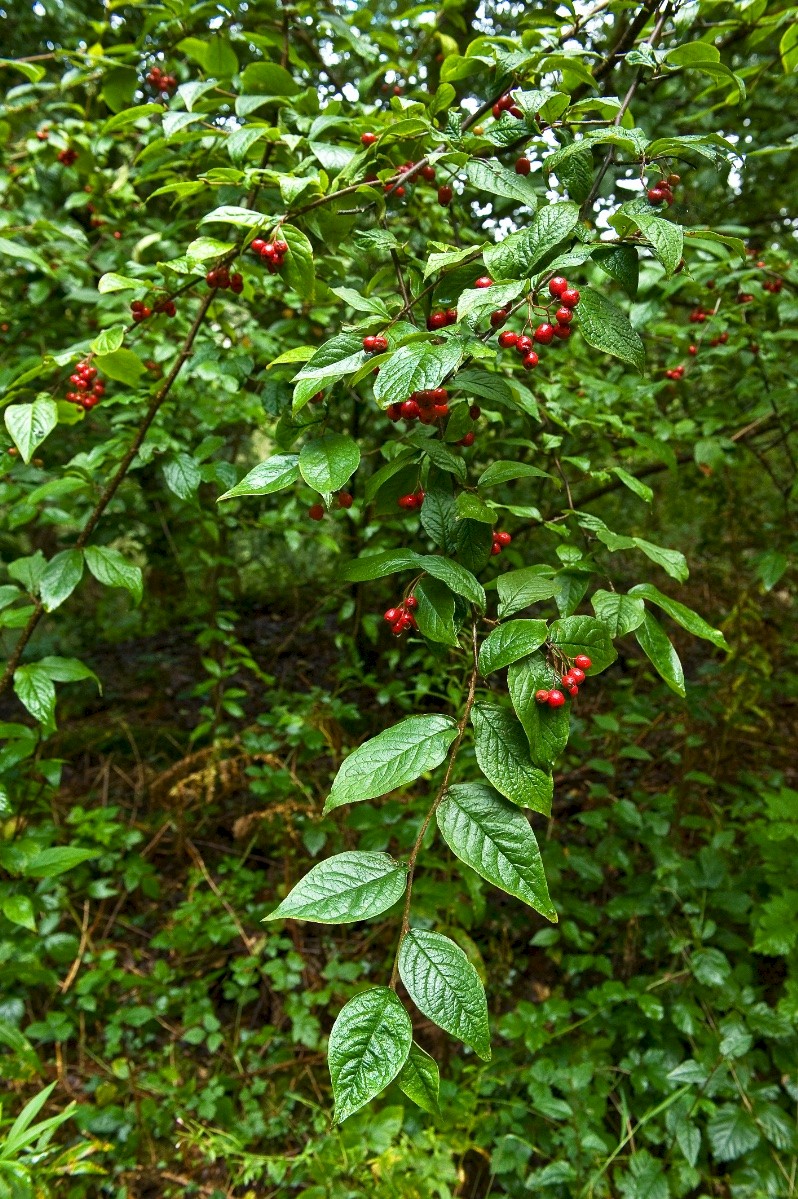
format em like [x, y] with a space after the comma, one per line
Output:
[260, 266]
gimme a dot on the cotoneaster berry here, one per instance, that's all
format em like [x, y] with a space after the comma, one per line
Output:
[531, 360]
[475, 411]
[469, 439]
[428, 173]
[542, 697]
[368, 139]
[583, 662]
[556, 699]
[345, 499]
[445, 194]
[523, 344]
[564, 316]
[570, 297]
[483, 281]
[507, 339]
[557, 286]
[498, 317]
[544, 333]
[522, 165]
[316, 511]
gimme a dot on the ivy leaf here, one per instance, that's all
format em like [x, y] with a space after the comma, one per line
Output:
[272, 475]
[606, 328]
[656, 645]
[503, 757]
[369, 1044]
[391, 759]
[683, 615]
[419, 1079]
[445, 986]
[346, 887]
[509, 642]
[621, 614]
[35, 689]
[665, 237]
[584, 635]
[494, 839]
[546, 728]
[517, 255]
[520, 588]
[182, 476]
[29, 424]
[328, 462]
[60, 578]
[435, 612]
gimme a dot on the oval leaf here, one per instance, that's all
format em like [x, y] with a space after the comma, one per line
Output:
[503, 757]
[369, 1044]
[346, 887]
[394, 757]
[328, 462]
[445, 986]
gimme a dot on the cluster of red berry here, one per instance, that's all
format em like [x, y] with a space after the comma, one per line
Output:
[89, 390]
[68, 156]
[425, 406]
[571, 681]
[375, 343]
[140, 311]
[345, 500]
[506, 103]
[544, 334]
[698, 316]
[500, 541]
[675, 372]
[401, 618]
[220, 278]
[662, 192]
[412, 501]
[439, 320]
[427, 172]
[161, 82]
[271, 252]
[774, 286]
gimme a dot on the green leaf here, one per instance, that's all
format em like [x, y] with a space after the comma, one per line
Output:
[347, 887]
[35, 689]
[416, 367]
[606, 328]
[111, 569]
[456, 577]
[502, 752]
[109, 340]
[19, 910]
[182, 476]
[438, 518]
[122, 365]
[673, 562]
[29, 424]
[369, 1044]
[129, 116]
[231, 214]
[328, 462]
[442, 457]
[215, 55]
[445, 986]
[32, 71]
[732, 1132]
[474, 304]
[683, 615]
[377, 566]
[435, 612]
[341, 355]
[470, 507]
[621, 614]
[505, 472]
[66, 670]
[61, 576]
[450, 257]
[494, 839]
[509, 642]
[474, 542]
[656, 645]
[634, 484]
[272, 475]
[113, 282]
[419, 1079]
[584, 635]
[666, 239]
[57, 860]
[622, 264]
[518, 254]
[391, 759]
[546, 728]
[788, 48]
[299, 271]
[520, 588]
[268, 79]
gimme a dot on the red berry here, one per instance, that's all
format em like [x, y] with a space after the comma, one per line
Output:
[469, 439]
[317, 398]
[475, 411]
[411, 603]
[237, 284]
[497, 111]
[582, 661]
[674, 179]
[380, 343]
[281, 247]
[445, 194]
[744, 298]
[563, 332]
[567, 679]
[542, 697]
[523, 344]
[515, 111]
[570, 297]
[577, 675]
[522, 166]
[368, 343]
[656, 196]
[502, 538]
[399, 191]
[398, 628]
[556, 699]
[408, 502]
[345, 499]
[572, 689]
[484, 281]
[438, 395]
[428, 173]
[451, 316]
[557, 286]
[411, 410]
[564, 316]
[440, 410]
[544, 333]
[507, 339]
[437, 320]
[257, 245]
[391, 615]
[498, 317]
[692, 350]
[531, 360]
[368, 139]
[316, 511]
[495, 548]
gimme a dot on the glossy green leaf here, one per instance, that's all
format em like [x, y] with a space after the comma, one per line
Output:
[509, 642]
[445, 986]
[60, 578]
[605, 327]
[348, 886]
[517, 255]
[369, 1044]
[620, 613]
[546, 728]
[327, 463]
[584, 635]
[683, 615]
[435, 612]
[272, 475]
[656, 645]
[520, 588]
[419, 1079]
[391, 759]
[503, 757]
[29, 424]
